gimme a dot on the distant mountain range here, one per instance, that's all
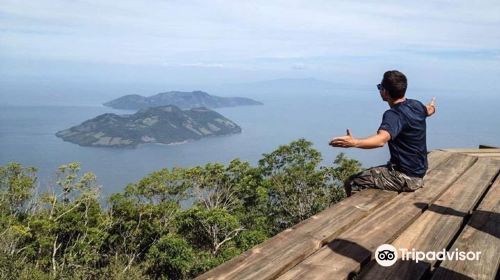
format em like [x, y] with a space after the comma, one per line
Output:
[183, 100]
[164, 124]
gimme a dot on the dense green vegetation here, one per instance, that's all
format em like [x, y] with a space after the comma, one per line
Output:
[143, 232]
[166, 124]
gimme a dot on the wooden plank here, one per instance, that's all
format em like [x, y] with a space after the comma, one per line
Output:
[484, 154]
[471, 150]
[353, 248]
[482, 234]
[436, 157]
[272, 257]
[435, 229]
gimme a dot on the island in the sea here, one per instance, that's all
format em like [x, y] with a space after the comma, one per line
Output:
[164, 124]
[183, 100]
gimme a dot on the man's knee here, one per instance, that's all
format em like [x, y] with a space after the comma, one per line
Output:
[374, 178]
[357, 182]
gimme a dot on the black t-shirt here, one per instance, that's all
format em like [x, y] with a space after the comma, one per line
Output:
[405, 122]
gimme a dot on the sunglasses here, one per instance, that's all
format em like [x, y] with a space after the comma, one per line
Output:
[380, 87]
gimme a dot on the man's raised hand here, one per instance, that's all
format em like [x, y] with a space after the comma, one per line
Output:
[431, 107]
[344, 141]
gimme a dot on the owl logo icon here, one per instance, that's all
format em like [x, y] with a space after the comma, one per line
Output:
[386, 255]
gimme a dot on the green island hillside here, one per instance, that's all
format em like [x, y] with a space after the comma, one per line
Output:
[165, 125]
[182, 99]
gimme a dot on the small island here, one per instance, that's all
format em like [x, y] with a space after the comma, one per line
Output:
[164, 124]
[183, 100]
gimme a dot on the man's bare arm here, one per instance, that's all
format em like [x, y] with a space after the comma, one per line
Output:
[431, 107]
[375, 141]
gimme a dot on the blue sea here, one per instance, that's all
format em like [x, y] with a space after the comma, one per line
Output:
[27, 133]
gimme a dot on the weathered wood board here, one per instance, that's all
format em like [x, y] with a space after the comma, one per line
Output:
[272, 257]
[435, 229]
[482, 234]
[487, 150]
[350, 250]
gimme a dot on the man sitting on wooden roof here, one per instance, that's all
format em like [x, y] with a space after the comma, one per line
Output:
[404, 128]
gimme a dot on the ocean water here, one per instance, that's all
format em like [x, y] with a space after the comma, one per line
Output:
[27, 133]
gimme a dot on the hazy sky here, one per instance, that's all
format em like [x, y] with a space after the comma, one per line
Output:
[443, 44]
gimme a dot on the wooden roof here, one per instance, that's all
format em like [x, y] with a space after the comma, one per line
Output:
[457, 209]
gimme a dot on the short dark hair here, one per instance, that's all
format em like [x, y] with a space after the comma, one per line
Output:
[395, 83]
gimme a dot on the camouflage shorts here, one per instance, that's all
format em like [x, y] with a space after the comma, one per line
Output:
[382, 177]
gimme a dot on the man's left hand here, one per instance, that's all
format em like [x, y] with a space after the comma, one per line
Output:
[344, 141]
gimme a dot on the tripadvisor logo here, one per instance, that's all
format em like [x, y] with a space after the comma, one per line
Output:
[386, 255]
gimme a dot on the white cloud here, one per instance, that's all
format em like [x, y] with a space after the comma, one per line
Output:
[237, 34]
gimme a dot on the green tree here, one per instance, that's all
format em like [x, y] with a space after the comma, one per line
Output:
[171, 256]
[68, 228]
[209, 229]
[144, 213]
[341, 170]
[16, 187]
[17, 184]
[298, 187]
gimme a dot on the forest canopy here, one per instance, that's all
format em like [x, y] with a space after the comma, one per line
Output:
[143, 232]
